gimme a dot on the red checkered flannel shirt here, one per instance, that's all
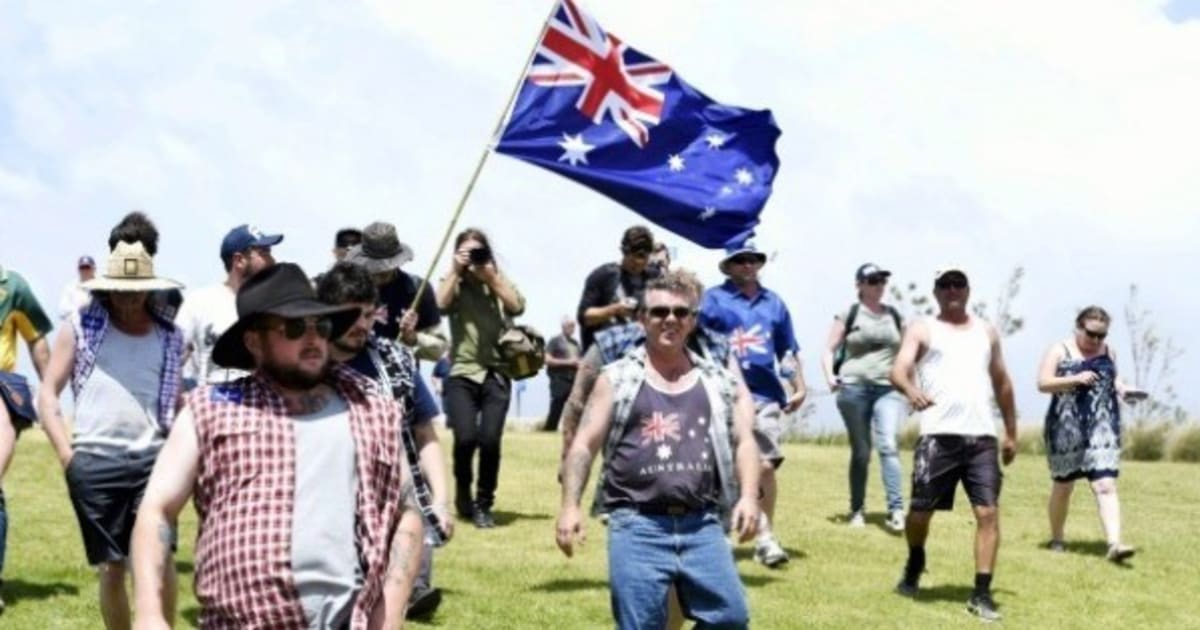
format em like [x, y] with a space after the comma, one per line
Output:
[245, 496]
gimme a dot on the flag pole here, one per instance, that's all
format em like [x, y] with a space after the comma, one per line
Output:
[487, 150]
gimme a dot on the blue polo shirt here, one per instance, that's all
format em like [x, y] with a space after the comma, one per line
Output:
[760, 333]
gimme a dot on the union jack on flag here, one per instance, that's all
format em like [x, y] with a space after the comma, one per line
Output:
[658, 427]
[744, 341]
[596, 110]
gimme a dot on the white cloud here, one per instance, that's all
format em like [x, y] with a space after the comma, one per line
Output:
[1056, 135]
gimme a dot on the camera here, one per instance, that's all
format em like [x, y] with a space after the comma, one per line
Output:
[480, 256]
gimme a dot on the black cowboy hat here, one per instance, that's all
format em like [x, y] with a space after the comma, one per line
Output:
[282, 290]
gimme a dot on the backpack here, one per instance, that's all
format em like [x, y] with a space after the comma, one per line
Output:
[839, 354]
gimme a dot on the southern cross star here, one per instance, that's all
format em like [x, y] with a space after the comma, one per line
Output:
[715, 140]
[709, 212]
[675, 163]
[575, 150]
[743, 177]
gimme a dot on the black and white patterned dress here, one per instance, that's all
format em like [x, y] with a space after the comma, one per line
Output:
[1083, 426]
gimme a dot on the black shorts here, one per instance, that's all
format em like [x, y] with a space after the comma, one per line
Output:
[17, 400]
[106, 491]
[941, 461]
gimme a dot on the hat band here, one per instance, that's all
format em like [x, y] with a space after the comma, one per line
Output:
[383, 252]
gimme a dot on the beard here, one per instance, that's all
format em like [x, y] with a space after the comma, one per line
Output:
[350, 343]
[294, 377]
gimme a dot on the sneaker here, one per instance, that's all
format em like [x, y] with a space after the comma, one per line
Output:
[983, 607]
[768, 552]
[1057, 546]
[895, 521]
[423, 603]
[1119, 553]
[910, 581]
[483, 518]
[857, 519]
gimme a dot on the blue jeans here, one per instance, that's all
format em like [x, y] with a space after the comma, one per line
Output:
[647, 554]
[873, 410]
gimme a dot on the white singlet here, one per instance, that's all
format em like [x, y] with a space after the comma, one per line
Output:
[953, 373]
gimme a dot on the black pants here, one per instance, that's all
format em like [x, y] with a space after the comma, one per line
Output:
[476, 413]
[560, 391]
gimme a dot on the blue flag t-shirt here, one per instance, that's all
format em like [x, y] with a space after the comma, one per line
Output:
[760, 333]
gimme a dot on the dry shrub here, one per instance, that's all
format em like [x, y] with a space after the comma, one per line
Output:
[1184, 445]
[1030, 440]
[1145, 441]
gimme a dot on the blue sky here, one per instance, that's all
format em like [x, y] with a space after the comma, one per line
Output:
[913, 133]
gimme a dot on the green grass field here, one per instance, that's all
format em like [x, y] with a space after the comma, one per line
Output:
[514, 576]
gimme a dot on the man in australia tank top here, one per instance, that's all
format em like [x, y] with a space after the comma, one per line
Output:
[959, 373]
[679, 453]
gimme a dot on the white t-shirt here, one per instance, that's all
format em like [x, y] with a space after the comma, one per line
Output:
[72, 299]
[205, 314]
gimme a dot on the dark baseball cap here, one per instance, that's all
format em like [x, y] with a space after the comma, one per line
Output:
[243, 237]
[347, 237]
[869, 270]
[86, 262]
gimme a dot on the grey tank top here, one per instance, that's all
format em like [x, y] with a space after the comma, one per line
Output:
[665, 456]
[324, 555]
[117, 409]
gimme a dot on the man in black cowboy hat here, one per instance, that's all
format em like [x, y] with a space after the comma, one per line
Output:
[382, 253]
[306, 518]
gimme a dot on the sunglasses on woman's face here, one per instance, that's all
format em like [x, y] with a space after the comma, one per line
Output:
[295, 327]
[1098, 335]
[662, 312]
[876, 280]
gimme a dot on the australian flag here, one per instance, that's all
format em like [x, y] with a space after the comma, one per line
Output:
[611, 118]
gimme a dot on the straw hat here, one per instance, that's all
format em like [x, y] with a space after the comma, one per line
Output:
[129, 268]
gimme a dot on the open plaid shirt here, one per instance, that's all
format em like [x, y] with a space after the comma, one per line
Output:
[245, 495]
[90, 325]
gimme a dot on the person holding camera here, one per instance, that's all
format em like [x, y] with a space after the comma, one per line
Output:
[612, 291]
[1083, 426]
[477, 298]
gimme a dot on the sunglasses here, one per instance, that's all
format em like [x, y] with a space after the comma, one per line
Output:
[953, 283]
[876, 280]
[743, 260]
[663, 312]
[295, 328]
[1097, 335]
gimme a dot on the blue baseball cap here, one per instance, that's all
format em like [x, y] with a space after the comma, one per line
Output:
[739, 250]
[243, 237]
[86, 262]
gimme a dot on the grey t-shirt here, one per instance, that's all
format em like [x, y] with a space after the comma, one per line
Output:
[324, 556]
[117, 409]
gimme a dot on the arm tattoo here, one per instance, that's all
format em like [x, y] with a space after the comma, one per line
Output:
[578, 466]
[166, 536]
[408, 494]
[400, 558]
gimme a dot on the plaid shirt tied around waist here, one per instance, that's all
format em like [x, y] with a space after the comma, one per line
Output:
[628, 375]
[90, 325]
[245, 497]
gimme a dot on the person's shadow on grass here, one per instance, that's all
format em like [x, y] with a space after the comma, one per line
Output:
[570, 584]
[16, 591]
[507, 518]
[1097, 548]
[952, 593]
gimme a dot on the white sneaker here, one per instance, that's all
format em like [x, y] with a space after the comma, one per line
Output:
[857, 519]
[769, 552]
[895, 521]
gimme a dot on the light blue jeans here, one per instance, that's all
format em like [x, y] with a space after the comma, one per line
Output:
[647, 554]
[871, 410]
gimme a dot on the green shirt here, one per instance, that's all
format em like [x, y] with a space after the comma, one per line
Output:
[21, 314]
[476, 324]
[870, 348]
